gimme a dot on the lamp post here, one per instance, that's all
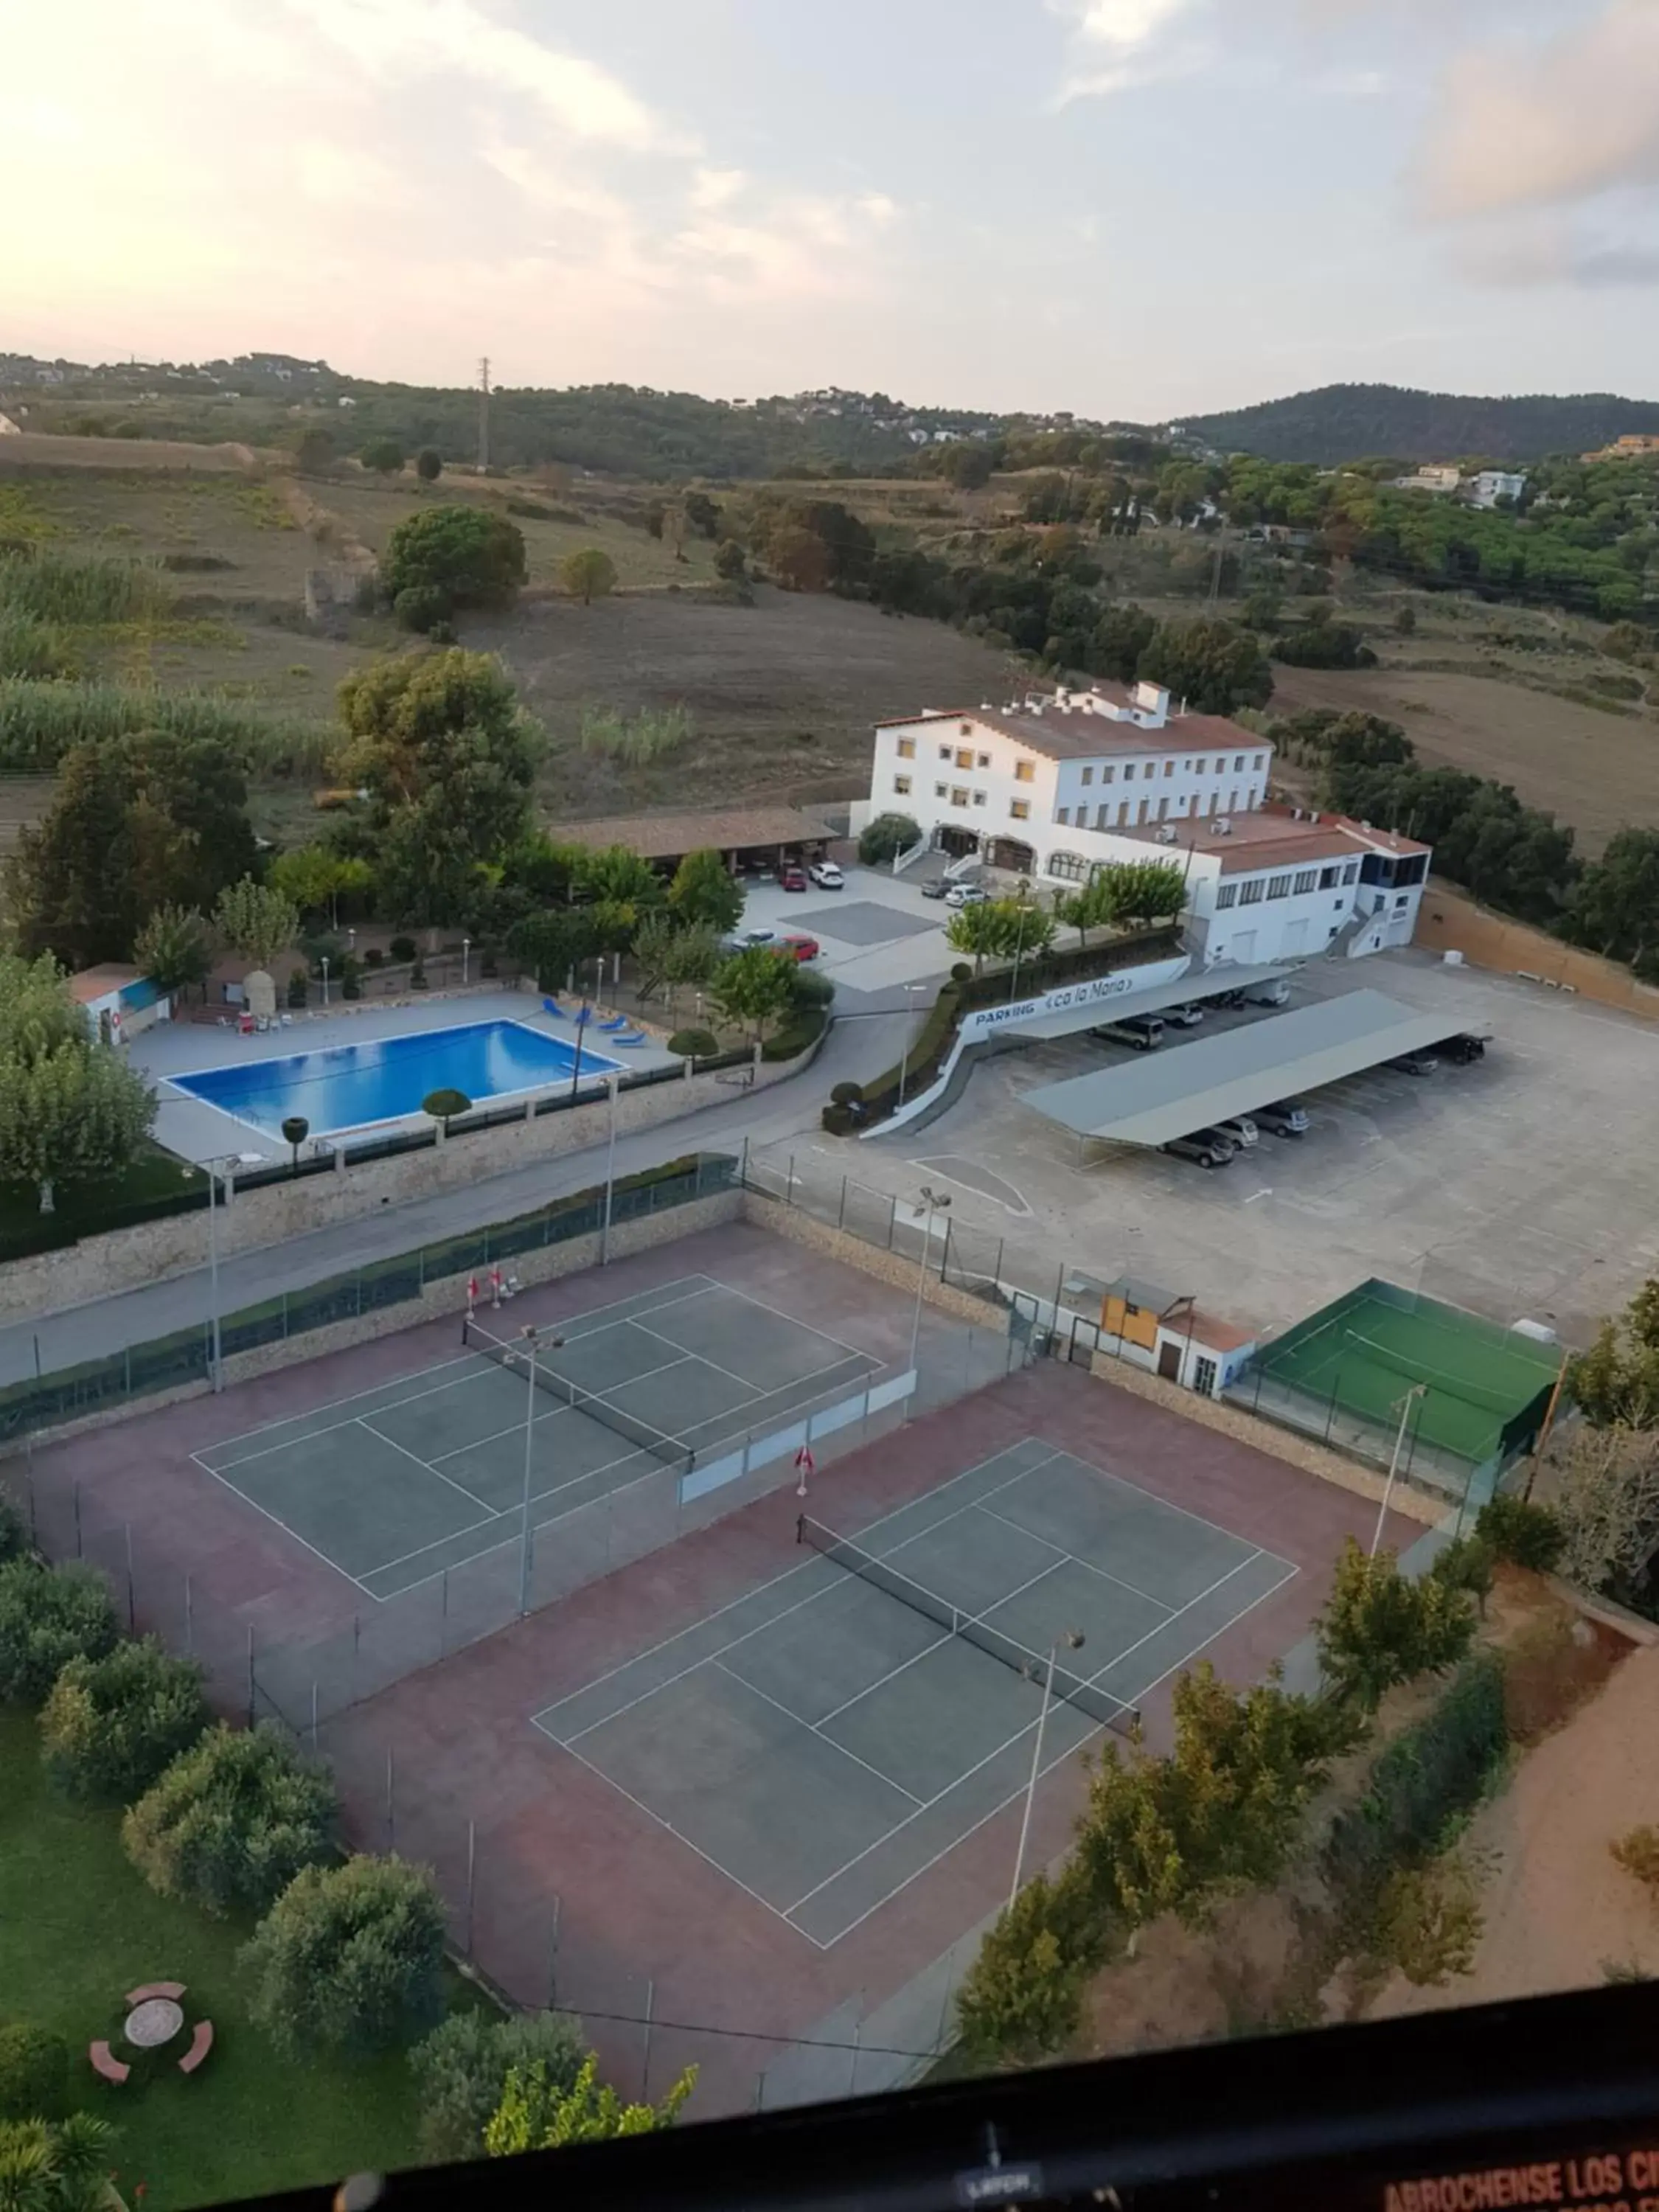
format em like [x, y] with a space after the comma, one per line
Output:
[1416, 1391]
[910, 990]
[531, 1344]
[1069, 1639]
[325, 978]
[932, 1202]
[467, 949]
[613, 1084]
[216, 1373]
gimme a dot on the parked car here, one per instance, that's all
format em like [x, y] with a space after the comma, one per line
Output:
[1275, 993]
[961, 895]
[936, 887]
[1460, 1050]
[801, 947]
[1286, 1117]
[1243, 1131]
[1144, 1032]
[1207, 1146]
[1414, 1063]
[826, 875]
[1185, 1017]
[746, 940]
[792, 879]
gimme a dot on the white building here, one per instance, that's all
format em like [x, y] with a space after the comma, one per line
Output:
[1493, 484]
[1054, 786]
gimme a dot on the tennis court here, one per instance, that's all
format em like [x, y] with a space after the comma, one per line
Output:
[1481, 1390]
[826, 1738]
[401, 1484]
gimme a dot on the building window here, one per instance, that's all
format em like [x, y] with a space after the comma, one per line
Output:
[1327, 878]
[985, 760]
[1257, 762]
[945, 753]
[1238, 763]
[1129, 772]
[1122, 813]
[1108, 775]
[1088, 775]
[1350, 874]
[1404, 899]
[1200, 767]
[1063, 816]
[1069, 867]
[965, 729]
[941, 791]
[1025, 771]
[964, 756]
[979, 799]
[1305, 879]
[1278, 887]
[1100, 813]
[1169, 768]
[906, 748]
[902, 785]
[1226, 895]
[1020, 809]
[1141, 811]
[1204, 1374]
[1249, 894]
[959, 794]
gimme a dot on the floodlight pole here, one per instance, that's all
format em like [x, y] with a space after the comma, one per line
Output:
[1416, 1391]
[529, 1441]
[216, 1363]
[613, 1083]
[933, 1202]
[910, 989]
[1072, 1639]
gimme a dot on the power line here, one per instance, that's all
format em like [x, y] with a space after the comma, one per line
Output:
[740, 2034]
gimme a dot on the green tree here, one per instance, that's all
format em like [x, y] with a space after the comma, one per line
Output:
[295, 1129]
[1093, 906]
[1020, 929]
[554, 944]
[33, 2072]
[444, 1106]
[1380, 1627]
[256, 921]
[70, 1110]
[618, 877]
[315, 448]
[966, 464]
[731, 563]
[886, 836]
[1214, 666]
[1145, 891]
[349, 1958]
[460, 2072]
[1615, 902]
[315, 878]
[1022, 1999]
[1528, 1534]
[448, 756]
[61, 2168]
[428, 465]
[1607, 1505]
[1429, 1921]
[475, 558]
[1404, 621]
[111, 1725]
[976, 929]
[14, 1531]
[69, 882]
[232, 1821]
[175, 949]
[535, 2113]
[1219, 1813]
[588, 575]
[48, 1616]
[754, 988]
[705, 893]
[385, 456]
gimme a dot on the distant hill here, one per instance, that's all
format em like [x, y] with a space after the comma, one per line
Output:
[1352, 421]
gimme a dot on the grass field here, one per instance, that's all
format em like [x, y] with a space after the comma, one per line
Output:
[80, 1928]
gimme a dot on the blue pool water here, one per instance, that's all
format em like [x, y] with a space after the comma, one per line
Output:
[348, 1085]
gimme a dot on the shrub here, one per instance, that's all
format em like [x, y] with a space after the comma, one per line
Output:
[693, 1045]
[348, 1958]
[33, 2072]
[112, 1725]
[232, 1821]
[48, 1616]
[417, 976]
[962, 973]
[1022, 1998]
[810, 987]
[1467, 1563]
[1380, 1628]
[460, 2072]
[847, 1094]
[374, 957]
[730, 562]
[1639, 1854]
[887, 835]
[14, 1531]
[1404, 621]
[402, 948]
[444, 1106]
[421, 607]
[429, 464]
[1428, 1923]
[384, 455]
[473, 557]
[1526, 1535]
[297, 983]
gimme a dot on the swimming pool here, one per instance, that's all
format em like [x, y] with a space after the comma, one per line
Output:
[348, 1086]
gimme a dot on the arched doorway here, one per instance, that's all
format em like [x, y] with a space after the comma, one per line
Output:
[1019, 859]
[958, 843]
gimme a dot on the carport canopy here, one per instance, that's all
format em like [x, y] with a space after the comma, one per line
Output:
[1183, 1087]
[1194, 988]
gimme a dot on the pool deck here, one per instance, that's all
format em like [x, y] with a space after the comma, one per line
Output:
[196, 1131]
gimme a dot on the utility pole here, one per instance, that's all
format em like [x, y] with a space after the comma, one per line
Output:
[483, 416]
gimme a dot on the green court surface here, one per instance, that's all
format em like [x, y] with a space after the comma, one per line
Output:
[408, 1481]
[1482, 1385]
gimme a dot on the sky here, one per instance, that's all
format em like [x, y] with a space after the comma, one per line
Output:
[1130, 209]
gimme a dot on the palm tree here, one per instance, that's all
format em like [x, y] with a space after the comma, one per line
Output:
[57, 2169]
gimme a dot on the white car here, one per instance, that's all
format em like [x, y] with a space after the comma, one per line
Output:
[826, 875]
[746, 940]
[1243, 1131]
[961, 895]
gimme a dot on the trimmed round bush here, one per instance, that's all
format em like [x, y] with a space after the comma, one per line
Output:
[812, 989]
[232, 1821]
[33, 2072]
[887, 835]
[693, 1045]
[349, 1958]
[460, 2071]
[402, 948]
[847, 1094]
[962, 973]
[48, 1616]
[111, 1726]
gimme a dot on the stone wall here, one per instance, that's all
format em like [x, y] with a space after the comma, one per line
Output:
[445, 1296]
[891, 1267]
[99, 1266]
[1451, 922]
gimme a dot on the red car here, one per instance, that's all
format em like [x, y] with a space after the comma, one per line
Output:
[801, 948]
[793, 877]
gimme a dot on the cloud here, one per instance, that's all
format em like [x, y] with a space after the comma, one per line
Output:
[1555, 127]
[713, 188]
[346, 176]
[1540, 250]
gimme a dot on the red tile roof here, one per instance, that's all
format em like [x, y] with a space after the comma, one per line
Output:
[1270, 834]
[1059, 733]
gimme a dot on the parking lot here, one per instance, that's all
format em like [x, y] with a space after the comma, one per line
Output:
[1524, 1185]
[877, 932]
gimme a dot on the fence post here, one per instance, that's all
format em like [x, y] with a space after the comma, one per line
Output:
[841, 1214]
[945, 1256]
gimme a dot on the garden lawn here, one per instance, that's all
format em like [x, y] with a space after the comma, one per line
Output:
[78, 1927]
[154, 1182]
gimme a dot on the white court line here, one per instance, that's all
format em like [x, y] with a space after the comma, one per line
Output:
[564, 1406]
[1014, 1796]
[812, 1727]
[277, 1522]
[292, 1420]
[801, 1567]
[496, 1515]
[1168, 1503]
[366, 1423]
[781, 1313]
[1116, 1580]
[702, 1358]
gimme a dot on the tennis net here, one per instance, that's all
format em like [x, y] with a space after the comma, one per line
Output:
[515, 1358]
[1099, 1704]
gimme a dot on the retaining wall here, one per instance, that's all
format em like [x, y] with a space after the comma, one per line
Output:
[1451, 922]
